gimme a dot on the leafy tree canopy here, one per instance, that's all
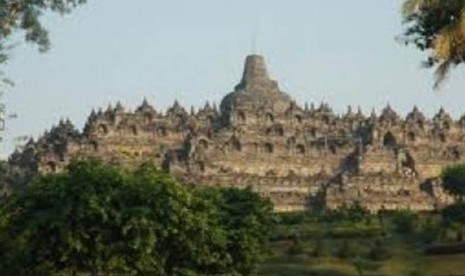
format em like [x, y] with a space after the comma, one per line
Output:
[454, 180]
[437, 26]
[95, 218]
[24, 15]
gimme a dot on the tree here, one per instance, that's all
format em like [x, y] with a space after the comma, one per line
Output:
[24, 15]
[247, 219]
[97, 219]
[453, 179]
[379, 251]
[437, 26]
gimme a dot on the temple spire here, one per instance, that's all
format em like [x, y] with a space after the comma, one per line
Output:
[255, 74]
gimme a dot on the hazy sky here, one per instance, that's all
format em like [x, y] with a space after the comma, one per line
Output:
[343, 52]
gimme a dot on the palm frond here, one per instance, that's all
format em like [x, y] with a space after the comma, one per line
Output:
[441, 73]
[412, 6]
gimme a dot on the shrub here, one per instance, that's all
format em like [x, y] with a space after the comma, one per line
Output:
[296, 248]
[97, 219]
[405, 222]
[379, 251]
[318, 249]
[430, 230]
[445, 249]
[346, 250]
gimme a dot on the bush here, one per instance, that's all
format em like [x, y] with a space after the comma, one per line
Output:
[454, 213]
[346, 250]
[445, 249]
[292, 218]
[319, 249]
[354, 213]
[430, 230]
[97, 219]
[355, 231]
[379, 251]
[405, 222]
[296, 247]
[453, 179]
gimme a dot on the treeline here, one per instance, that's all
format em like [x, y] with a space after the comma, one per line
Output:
[98, 219]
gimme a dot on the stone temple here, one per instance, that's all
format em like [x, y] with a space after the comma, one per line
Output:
[298, 156]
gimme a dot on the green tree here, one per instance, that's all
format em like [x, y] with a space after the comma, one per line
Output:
[437, 26]
[453, 179]
[24, 15]
[379, 251]
[247, 219]
[97, 219]
[405, 221]
[346, 250]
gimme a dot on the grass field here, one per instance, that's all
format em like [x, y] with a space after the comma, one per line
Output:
[341, 247]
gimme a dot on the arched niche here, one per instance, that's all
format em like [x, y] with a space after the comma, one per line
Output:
[210, 119]
[333, 148]
[94, 145]
[271, 173]
[103, 129]
[389, 140]
[446, 125]
[134, 130]
[300, 149]
[411, 137]
[269, 118]
[203, 144]
[298, 118]
[456, 155]
[236, 145]
[241, 116]
[313, 133]
[326, 119]
[442, 137]
[255, 147]
[201, 166]
[291, 142]
[52, 166]
[148, 117]
[162, 131]
[420, 123]
[277, 130]
[268, 148]
[407, 162]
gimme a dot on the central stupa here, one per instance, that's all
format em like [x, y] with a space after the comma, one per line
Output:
[255, 91]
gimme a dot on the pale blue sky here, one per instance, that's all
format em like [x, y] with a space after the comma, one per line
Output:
[343, 52]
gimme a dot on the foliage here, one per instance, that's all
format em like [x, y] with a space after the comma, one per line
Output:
[445, 249]
[379, 251]
[319, 249]
[354, 213]
[95, 218]
[292, 218]
[439, 27]
[247, 219]
[454, 180]
[430, 230]
[405, 221]
[355, 231]
[346, 250]
[24, 15]
[296, 247]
